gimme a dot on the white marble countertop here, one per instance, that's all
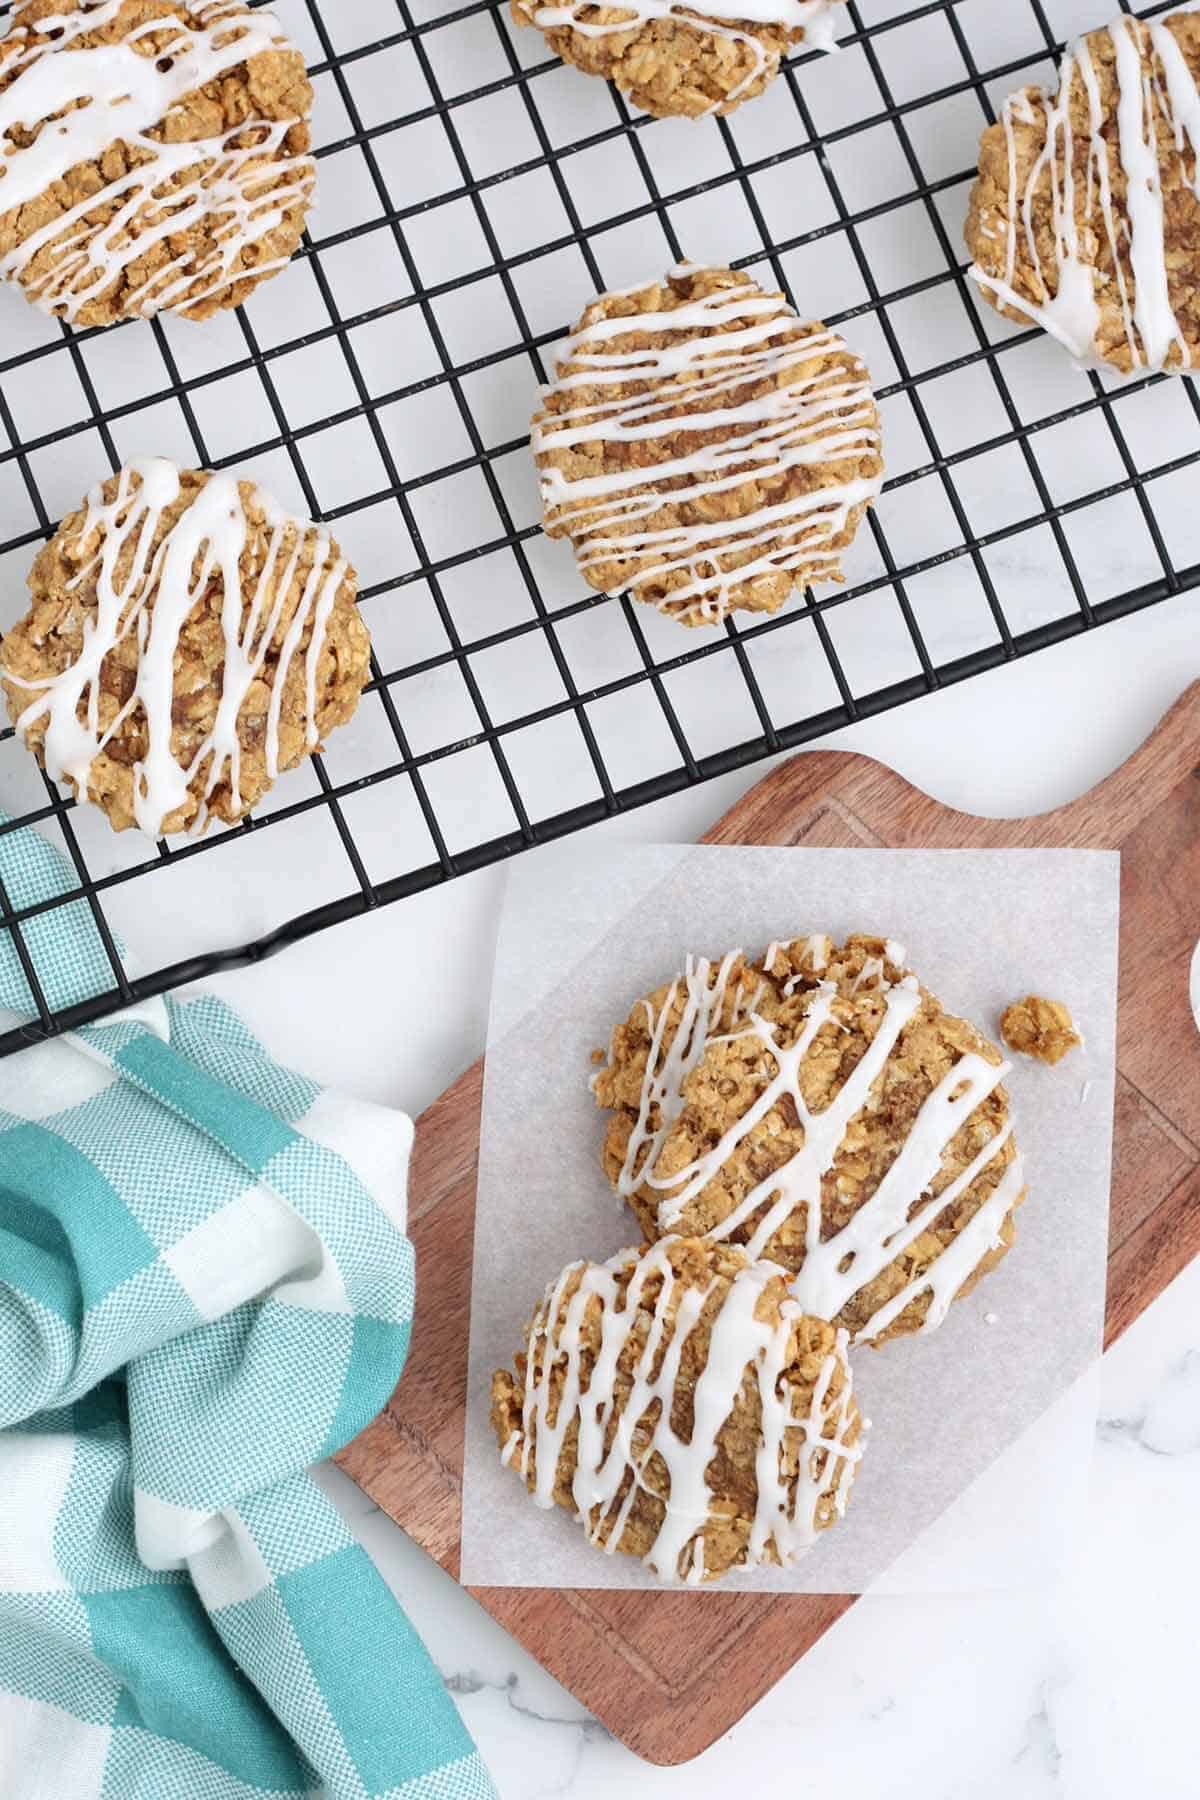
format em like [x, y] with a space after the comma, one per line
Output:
[1084, 1692]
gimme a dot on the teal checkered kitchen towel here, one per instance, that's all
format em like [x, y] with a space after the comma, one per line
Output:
[205, 1286]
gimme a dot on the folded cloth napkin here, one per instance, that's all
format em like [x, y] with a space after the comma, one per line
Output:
[205, 1286]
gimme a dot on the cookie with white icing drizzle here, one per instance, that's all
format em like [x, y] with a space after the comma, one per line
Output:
[678, 1401]
[819, 1108]
[188, 641]
[153, 155]
[675, 60]
[704, 449]
[1085, 219]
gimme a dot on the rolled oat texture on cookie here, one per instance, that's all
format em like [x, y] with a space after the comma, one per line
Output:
[154, 155]
[704, 449]
[680, 1404]
[1085, 218]
[820, 1108]
[188, 641]
[681, 61]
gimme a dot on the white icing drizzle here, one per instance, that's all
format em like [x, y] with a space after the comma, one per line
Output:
[718, 19]
[662, 1090]
[705, 986]
[1194, 986]
[114, 92]
[838, 1267]
[811, 419]
[870, 975]
[814, 951]
[1136, 242]
[151, 599]
[786, 1515]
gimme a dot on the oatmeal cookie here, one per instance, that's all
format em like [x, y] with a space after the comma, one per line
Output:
[1040, 1028]
[703, 449]
[188, 641]
[153, 154]
[677, 60]
[1085, 218]
[821, 1109]
[678, 1401]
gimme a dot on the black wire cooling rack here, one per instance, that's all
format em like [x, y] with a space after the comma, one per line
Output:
[475, 195]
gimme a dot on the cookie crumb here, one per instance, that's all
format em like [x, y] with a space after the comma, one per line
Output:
[598, 1057]
[1040, 1028]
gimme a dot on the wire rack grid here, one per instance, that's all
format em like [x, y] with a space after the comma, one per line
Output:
[475, 195]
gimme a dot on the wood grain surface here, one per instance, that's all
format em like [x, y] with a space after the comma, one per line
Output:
[669, 1672]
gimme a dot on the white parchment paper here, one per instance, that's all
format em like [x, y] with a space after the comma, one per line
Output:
[988, 1419]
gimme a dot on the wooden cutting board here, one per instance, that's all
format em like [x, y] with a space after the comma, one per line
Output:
[665, 1672]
